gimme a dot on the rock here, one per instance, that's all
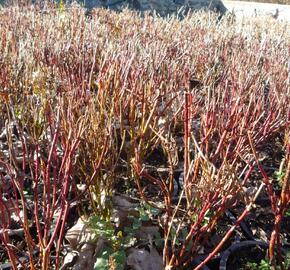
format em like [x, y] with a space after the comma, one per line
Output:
[162, 7]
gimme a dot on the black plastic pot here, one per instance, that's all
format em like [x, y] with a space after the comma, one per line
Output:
[197, 261]
[249, 250]
[212, 264]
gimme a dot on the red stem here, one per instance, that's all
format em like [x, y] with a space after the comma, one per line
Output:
[225, 238]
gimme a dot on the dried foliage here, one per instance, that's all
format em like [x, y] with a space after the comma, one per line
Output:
[84, 97]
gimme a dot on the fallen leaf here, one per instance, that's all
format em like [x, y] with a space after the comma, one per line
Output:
[122, 203]
[86, 258]
[69, 259]
[79, 234]
[141, 259]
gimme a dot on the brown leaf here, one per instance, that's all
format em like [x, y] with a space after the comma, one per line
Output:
[141, 259]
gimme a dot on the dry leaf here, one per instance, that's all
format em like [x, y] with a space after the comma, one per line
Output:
[141, 259]
[79, 234]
